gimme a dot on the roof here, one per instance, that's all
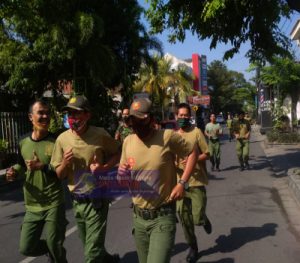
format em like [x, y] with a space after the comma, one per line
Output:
[295, 33]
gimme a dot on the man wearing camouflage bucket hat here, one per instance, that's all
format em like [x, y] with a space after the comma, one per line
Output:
[78, 153]
[147, 163]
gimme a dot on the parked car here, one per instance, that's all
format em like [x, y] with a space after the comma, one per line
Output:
[220, 119]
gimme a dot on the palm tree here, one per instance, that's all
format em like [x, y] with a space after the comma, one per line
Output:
[162, 82]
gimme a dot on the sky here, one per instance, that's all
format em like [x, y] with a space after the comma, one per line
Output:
[193, 45]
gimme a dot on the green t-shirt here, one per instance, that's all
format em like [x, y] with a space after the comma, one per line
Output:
[152, 162]
[242, 127]
[95, 141]
[199, 176]
[229, 123]
[212, 129]
[124, 132]
[42, 189]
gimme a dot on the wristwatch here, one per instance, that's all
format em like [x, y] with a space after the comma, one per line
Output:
[184, 183]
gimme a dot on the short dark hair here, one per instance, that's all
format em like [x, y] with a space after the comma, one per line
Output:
[39, 101]
[184, 106]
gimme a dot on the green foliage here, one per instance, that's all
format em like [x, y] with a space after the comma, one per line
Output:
[279, 116]
[230, 91]
[284, 76]
[44, 42]
[283, 73]
[280, 137]
[162, 82]
[3, 145]
[56, 123]
[230, 22]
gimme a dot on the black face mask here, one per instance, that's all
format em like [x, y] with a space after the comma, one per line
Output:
[125, 118]
[183, 122]
[142, 130]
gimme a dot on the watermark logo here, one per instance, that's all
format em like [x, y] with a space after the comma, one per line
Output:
[135, 183]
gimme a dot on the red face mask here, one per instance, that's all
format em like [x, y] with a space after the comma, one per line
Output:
[76, 124]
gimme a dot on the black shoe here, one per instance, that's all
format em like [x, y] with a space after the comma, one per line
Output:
[218, 169]
[192, 255]
[242, 168]
[247, 166]
[207, 226]
[212, 168]
[115, 258]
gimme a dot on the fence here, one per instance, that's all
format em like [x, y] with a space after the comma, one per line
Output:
[13, 126]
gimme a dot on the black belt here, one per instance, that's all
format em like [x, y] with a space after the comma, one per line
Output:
[150, 214]
[81, 198]
[214, 140]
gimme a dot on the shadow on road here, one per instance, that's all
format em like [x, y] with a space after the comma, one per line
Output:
[223, 260]
[238, 237]
[12, 192]
[256, 141]
[21, 214]
[233, 167]
[215, 178]
[282, 162]
[178, 248]
[130, 257]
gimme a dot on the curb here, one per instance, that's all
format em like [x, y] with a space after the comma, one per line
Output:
[293, 179]
[294, 182]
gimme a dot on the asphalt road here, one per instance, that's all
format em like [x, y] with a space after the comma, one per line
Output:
[249, 222]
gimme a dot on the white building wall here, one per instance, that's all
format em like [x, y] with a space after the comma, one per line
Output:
[287, 107]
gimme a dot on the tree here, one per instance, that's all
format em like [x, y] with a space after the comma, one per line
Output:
[233, 22]
[283, 75]
[230, 91]
[43, 42]
[161, 81]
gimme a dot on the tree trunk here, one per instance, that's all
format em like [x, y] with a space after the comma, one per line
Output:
[294, 95]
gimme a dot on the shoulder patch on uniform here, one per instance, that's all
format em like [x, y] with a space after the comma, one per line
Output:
[136, 105]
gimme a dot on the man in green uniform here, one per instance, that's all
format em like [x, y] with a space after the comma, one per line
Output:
[247, 117]
[78, 154]
[148, 164]
[241, 130]
[213, 131]
[123, 130]
[192, 207]
[43, 191]
[229, 124]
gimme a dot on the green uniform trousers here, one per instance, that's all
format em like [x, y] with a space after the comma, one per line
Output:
[54, 222]
[230, 134]
[191, 211]
[242, 150]
[215, 152]
[91, 223]
[154, 238]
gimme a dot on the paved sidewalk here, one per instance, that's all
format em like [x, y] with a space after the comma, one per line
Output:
[284, 160]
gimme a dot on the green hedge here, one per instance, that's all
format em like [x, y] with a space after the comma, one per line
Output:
[283, 137]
